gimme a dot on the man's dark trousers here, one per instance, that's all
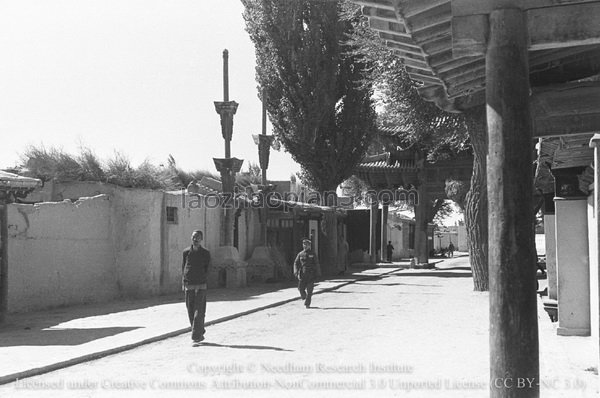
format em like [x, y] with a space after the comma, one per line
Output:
[306, 284]
[195, 301]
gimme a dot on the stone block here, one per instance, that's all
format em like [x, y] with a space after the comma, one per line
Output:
[227, 270]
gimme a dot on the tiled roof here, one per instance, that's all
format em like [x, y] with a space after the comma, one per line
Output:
[403, 164]
[387, 161]
[433, 38]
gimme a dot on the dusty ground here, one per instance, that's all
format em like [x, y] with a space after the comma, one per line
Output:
[416, 333]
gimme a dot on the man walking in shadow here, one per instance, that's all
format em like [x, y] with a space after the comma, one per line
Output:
[306, 269]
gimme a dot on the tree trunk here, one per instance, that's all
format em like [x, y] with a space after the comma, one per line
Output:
[476, 214]
[329, 235]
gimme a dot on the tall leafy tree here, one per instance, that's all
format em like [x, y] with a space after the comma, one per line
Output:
[320, 108]
[437, 134]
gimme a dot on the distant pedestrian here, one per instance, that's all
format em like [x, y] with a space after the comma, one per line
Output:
[196, 261]
[450, 250]
[389, 249]
[306, 269]
[343, 250]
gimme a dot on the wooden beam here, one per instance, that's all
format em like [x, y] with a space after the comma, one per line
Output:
[434, 33]
[461, 8]
[403, 40]
[411, 8]
[385, 15]
[552, 27]
[439, 15]
[566, 125]
[383, 4]
[565, 68]
[410, 62]
[566, 99]
[564, 26]
[437, 46]
[478, 83]
[414, 56]
[475, 97]
[416, 75]
[468, 66]
[566, 109]
[381, 25]
[469, 35]
[416, 52]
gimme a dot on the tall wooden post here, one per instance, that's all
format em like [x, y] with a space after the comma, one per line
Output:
[422, 210]
[228, 166]
[373, 229]
[264, 142]
[385, 206]
[514, 352]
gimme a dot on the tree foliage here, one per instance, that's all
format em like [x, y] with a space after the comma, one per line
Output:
[405, 118]
[56, 164]
[316, 96]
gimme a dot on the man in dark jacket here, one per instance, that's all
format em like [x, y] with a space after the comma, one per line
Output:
[306, 269]
[196, 260]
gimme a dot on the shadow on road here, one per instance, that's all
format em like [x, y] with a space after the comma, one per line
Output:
[407, 284]
[353, 292]
[243, 347]
[339, 308]
[60, 336]
[438, 274]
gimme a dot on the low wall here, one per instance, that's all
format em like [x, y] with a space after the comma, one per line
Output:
[178, 234]
[117, 244]
[101, 248]
[60, 253]
[136, 217]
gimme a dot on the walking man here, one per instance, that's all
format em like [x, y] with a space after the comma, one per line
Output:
[196, 260]
[306, 269]
[389, 249]
[451, 250]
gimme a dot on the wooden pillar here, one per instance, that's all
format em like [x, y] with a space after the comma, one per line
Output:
[572, 266]
[594, 243]
[514, 351]
[384, 217]
[3, 259]
[421, 220]
[373, 229]
[550, 244]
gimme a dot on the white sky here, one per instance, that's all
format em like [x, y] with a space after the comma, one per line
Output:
[135, 76]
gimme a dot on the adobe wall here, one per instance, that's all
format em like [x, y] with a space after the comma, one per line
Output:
[107, 246]
[463, 244]
[60, 253]
[177, 235]
[57, 191]
[136, 216]
[399, 238]
[193, 212]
